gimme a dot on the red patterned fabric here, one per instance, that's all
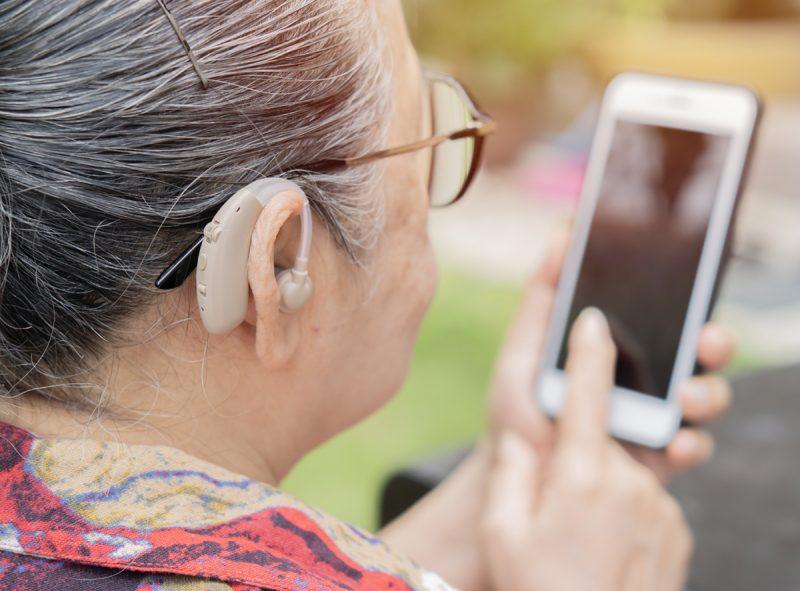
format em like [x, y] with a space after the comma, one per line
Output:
[80, 514]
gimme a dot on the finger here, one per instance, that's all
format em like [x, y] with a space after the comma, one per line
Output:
[590, 374]
[550, 269]
[537, 300]
[512, 405]
[704, 398]
[513, 485]
[527, 332]
[716, 346]
[690, 448]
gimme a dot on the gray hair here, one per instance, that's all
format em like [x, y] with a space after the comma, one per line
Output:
[112, 156]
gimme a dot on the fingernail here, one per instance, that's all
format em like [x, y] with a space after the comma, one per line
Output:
[593, 324]
[685, 446]
[693, 448]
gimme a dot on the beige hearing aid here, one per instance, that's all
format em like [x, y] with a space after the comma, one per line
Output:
[222, 283]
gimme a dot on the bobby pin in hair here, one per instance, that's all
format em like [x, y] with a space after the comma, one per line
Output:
[186, 47]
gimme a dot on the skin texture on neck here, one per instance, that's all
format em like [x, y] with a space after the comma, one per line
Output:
[178, 395]
[258, 399]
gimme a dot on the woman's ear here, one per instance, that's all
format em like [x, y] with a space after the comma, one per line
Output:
[276, 334]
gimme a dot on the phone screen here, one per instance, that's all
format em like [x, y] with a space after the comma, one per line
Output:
[656, 198]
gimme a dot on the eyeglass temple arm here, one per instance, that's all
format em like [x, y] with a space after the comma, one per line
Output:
[183, 266]
[485, 126]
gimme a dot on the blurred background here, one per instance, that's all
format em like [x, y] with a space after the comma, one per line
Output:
[539, 66]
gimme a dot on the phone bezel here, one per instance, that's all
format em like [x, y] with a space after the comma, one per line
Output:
[683, 104]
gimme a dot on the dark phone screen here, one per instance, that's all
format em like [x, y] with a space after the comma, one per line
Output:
[643, 251]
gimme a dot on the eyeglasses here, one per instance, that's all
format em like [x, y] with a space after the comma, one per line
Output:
[459, 129]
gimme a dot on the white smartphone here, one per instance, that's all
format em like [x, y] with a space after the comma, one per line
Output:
[650, 237]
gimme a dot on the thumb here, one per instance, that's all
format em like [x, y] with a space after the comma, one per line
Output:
[513, 485]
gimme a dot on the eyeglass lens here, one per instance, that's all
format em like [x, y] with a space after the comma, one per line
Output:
[453, 160]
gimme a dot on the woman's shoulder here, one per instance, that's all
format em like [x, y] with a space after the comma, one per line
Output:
[157, 512]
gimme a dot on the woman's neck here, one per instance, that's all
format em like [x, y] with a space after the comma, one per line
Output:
[204, 403]
[190, 434]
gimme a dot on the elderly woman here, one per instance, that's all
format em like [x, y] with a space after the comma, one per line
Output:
[141, 450]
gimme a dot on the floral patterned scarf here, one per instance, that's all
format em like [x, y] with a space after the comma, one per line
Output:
[82, 514]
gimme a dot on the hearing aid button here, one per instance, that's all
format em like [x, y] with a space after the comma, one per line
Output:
[212, 231]
[202, 262]
[202, 289]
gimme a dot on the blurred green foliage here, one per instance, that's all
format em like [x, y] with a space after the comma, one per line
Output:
[518, 32]
[515, 31]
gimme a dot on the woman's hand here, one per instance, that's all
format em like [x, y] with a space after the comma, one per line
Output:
[593, 518]
[442, 531]
[511, 401]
